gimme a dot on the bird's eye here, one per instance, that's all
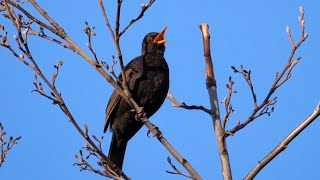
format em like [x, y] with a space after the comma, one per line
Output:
[149, 39]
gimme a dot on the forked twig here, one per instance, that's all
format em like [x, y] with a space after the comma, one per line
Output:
[175, 103]
[280, 79]
[177, 171]
[6, 146]
[227, 103]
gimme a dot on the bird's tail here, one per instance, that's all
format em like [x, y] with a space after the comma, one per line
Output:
[117, 151]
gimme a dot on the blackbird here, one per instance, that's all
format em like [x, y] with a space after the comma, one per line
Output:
[147, 78]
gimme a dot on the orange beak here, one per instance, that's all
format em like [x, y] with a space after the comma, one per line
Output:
[159, 38]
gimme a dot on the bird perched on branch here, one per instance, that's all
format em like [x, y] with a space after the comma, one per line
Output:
[147, 78]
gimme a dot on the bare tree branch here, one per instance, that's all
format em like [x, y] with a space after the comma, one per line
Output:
[6, 146]
[106, 18]
[57, 98]
[84, 165]
[175, 103]
[178, 172]
[120, 90]
[144, 7]
[283, 144]
[89, 32]
[279, 80]
[212, 91]
[227, 103]
[247, 77]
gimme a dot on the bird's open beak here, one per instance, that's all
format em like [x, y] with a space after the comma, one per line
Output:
[159, 38]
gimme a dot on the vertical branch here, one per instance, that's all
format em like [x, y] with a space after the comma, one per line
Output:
[283, 144]
[117, 44]
[212, 91]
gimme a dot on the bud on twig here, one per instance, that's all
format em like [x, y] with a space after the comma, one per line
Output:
[21, 57]
[15, 37]
[301, 10]
[288, 29]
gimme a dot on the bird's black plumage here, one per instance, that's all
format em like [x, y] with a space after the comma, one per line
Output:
[147, 78]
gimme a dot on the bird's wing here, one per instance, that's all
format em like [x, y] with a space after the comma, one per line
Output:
[113, 102]
[133, 72]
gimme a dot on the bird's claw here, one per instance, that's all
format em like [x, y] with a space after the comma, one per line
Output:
[140, 114]
[155, 131]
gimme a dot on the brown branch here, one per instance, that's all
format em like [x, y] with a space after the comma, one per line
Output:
[247, 77]
[178, 172]
[58, 98]
[106, 18]
[5, 146]
[175, 103]
[144, 7]
[283, 144]
[280, 78]
[44, 36]
[84, 165]
[226, 101]
[157, 133]
[212, 91]
[111, 68]
[89, 32]
[16, 5]
[117, 44]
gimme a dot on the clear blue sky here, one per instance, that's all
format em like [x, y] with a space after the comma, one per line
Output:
[251, 33]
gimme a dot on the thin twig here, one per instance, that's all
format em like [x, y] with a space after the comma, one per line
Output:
[175, 103]
[247, 77]
[280, 78]
[89, 32]
[178, 172]
[6, 146]
[227, 103]
[144, 7]
[44, 36]
[106, 18]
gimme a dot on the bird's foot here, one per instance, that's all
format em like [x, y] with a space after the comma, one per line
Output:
[140, 114]
[155, 131]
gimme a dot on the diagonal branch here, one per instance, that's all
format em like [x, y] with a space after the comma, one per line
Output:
[283, 144]
[106, 18]
[58, 98]
[144, 7]
[178, 172]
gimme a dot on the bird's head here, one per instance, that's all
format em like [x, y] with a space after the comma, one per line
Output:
[154, 43]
